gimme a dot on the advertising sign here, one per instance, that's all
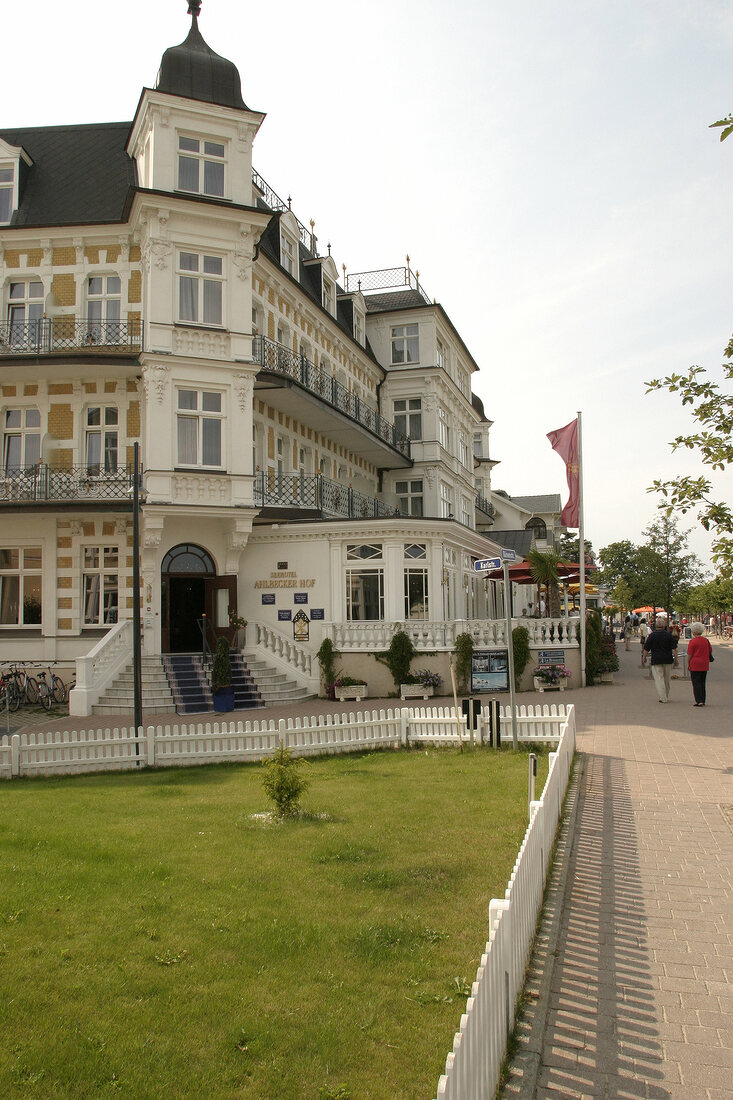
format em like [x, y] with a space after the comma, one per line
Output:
[489, 670]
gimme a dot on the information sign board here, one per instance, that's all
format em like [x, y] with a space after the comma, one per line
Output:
[489, 670]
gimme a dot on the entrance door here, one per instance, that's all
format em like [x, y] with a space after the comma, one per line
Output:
[187, 601]
[220, 596]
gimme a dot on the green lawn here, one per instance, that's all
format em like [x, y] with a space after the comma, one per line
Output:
[158, 940]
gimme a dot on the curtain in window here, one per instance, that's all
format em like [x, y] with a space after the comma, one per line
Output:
[187, 440]
[94, 451]
[91, 598]
[110, 452]
[188, 305]
[9, 594]
[212, 302]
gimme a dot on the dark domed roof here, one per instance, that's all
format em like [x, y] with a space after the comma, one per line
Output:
[195, 71]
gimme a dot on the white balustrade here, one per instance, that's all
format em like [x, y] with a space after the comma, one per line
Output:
[100, 666]
[285, 653]
[435, 635]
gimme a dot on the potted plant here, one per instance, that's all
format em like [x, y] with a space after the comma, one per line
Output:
[551, 676]
[421, 683]
[221, 678]
[238, 627]
[608, 661]
[348, 687]
[327, 655]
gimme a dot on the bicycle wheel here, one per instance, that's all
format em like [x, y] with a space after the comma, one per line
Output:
[31, 689]
[44, 696]
[59, 689]
[13, 695]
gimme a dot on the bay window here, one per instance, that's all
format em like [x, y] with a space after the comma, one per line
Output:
[408, 417]
[405, 346]
[410, 497]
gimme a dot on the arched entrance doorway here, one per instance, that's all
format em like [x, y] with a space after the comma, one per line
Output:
[191, 589]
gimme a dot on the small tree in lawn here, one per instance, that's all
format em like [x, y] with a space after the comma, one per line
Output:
[283, 782]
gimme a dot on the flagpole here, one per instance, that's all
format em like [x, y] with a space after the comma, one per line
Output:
[581, 549]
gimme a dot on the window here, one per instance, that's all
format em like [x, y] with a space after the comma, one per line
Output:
[100, 444]
[463, 449]
[415, 550]
[409, 497]
[201, 166]
[328, 295]
[408, 417]
[100, 571]
[20, 586]
[288, 254]
[446, 501]
[416, 594]
[465, 511]
[103, 308]
[359, 327]
[443, 429]
[22, 442]
[478, 445]
[7, 181]
[405, 347]
[199, 428]
[364, 594]
[200, 284]
[25, 311]
[442, 355]
[364, 551]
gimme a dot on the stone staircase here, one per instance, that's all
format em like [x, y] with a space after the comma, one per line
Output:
[120, 695]
[190, 681]
[274, 687]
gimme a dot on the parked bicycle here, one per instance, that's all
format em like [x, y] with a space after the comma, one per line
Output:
[9, 694]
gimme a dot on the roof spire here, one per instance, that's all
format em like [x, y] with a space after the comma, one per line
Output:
[194, 8]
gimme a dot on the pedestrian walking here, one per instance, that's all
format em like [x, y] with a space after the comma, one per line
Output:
[699, 656]
[628, 627]
[661, 645]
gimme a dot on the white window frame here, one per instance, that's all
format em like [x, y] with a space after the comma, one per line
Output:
[24, 431]
[416, 583]
[354, 592]
[202, 157]
[104, 308]
[29, 304]
[289, 253]
[407, 416]
[328, 295]
[443, 429]
[28, 584]
[463, 449]
[466, 512]
[359, 326]
[107, 430]
[201, 415]
[203, 277]
[410, 497]
[405, 343]
[446, 500]
[8, 186]
[441, 354]
[106, 591]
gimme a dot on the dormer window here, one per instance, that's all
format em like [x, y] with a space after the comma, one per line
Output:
[7, 187]
[288, 254]
[328, 295]
[358, 327]
[201, 166]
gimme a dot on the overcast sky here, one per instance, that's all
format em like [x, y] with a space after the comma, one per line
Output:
[549, 169]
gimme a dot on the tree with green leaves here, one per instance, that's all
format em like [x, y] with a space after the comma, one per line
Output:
[618, 563]
[667, 569]
[622, 595]
[569, 550]
[543, 565]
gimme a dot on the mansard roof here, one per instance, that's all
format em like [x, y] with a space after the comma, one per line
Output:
[81, 175]
[549, 502]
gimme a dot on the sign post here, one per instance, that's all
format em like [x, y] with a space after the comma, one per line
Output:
[490, 564]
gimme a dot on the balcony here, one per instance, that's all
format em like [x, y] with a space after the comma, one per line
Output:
[61, 335]
[285, 495]
[483, 505]
[43, 487]
[290, 379]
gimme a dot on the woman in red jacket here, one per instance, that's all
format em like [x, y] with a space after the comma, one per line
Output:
[699, 656]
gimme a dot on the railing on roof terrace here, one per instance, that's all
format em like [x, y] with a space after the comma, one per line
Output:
[274, 201]
[314, 491]
[40, 483]
[386, 278]
[280, 359]
[54, 334]
[483, 505]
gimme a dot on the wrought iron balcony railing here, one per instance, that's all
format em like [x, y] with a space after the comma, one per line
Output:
[276, 357]
[41, 482]
[484, 506]
[59, 334]
[318, 493]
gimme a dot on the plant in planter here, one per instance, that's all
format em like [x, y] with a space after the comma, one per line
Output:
[464, 654]
[398, 657]
[608, 660]
[348, 687]
[424, 682]
[552, 676]
[221, 678]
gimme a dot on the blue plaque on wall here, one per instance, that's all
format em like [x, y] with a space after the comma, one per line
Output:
[317, 613]
[268, 597]
[284, 616]
[300, 597]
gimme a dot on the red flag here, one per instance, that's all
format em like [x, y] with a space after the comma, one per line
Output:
[565, 442]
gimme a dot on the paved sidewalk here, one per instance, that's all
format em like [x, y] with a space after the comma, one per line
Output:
[630, 993]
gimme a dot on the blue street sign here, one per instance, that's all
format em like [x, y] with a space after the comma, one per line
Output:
[487, 563]
[508, 555]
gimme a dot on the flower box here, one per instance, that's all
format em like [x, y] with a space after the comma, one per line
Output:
[540, 685]
[351, 691]
[415, 691]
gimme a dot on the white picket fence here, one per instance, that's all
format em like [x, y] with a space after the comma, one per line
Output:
[473, 1067]
[58, 752]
